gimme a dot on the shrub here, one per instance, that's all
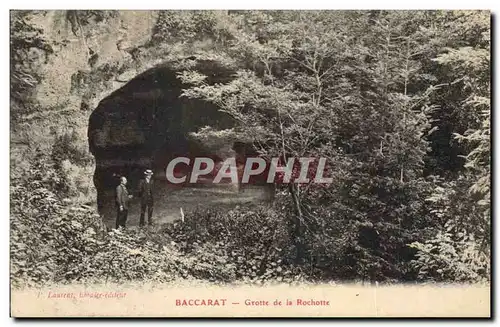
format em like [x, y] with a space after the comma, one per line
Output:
[458, 250]
[452, 258]
[78, 181]
[32, 259]
[245, 243]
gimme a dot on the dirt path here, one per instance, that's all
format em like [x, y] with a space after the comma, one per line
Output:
[170, 200]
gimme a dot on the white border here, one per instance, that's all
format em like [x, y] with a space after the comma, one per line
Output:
[144, 5]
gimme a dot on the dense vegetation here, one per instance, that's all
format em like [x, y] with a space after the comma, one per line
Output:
[399, 103]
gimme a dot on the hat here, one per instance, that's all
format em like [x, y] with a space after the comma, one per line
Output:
[148, 172]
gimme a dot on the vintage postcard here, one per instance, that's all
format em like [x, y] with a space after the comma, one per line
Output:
[250, 163]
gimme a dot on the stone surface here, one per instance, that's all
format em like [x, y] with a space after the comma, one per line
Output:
[101, 38]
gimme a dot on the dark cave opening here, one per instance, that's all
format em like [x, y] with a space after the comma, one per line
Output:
[146, 123]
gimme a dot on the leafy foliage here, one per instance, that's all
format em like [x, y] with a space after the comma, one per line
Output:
[452, 256]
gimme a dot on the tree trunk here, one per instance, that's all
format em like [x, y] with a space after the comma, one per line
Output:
[297, 226]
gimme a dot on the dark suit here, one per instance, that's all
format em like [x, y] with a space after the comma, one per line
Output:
[121, 200]
[146, 194]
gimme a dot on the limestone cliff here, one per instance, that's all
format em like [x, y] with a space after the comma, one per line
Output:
[84, 46]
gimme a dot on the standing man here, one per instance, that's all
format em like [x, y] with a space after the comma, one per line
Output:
[122, 200]
[146, 194]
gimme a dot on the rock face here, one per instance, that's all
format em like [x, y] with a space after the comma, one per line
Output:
[146, 123]
[85, 46]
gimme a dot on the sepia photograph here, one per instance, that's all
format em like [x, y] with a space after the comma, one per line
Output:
[250, 163]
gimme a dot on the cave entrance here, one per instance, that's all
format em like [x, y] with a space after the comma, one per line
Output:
[145, 124]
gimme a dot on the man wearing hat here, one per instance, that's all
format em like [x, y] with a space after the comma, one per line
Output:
[146, 194]
[122, 203]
